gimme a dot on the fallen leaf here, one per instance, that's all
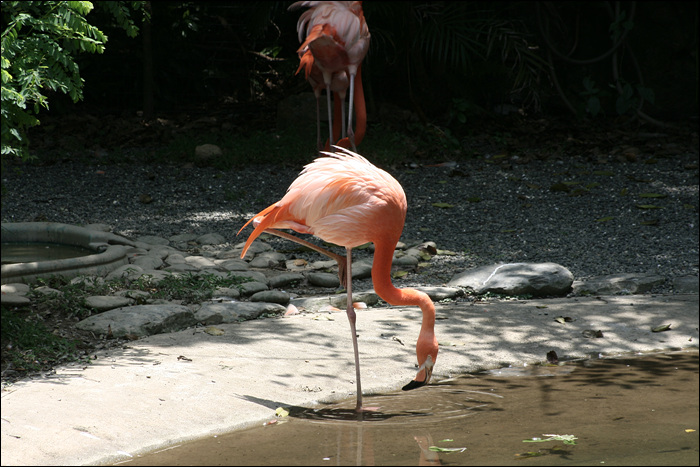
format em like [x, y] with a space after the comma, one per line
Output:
[214, 331]
[652, 195]
[560, 187]
[439, 449]
[605, 219]
[662, 328]
[648, 206]
[591, 333]
[443, 205]
[567, 439]
[450, 343]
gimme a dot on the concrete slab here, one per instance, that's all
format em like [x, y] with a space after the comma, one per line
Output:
[179, 386]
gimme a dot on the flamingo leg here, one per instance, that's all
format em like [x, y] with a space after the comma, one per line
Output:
[351, 133]
[343, 267]
[327, 81]
[345, 275]
[342, 117]
[319, 145]
[350, 310]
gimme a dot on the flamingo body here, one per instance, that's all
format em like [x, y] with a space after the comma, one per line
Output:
[337, 35]
[346, 200]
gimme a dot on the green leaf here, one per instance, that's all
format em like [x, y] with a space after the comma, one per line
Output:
[567, 439]
[439, 449]
[652, 195]
[648, 206]
[605, 219]
[443, 205]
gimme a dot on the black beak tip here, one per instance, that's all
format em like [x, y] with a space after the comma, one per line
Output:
[413, 385]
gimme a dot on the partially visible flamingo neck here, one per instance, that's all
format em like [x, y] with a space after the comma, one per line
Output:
[381, 277]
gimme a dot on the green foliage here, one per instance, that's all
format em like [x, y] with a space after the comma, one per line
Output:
[29, 346]
[456, 38]
[39, 41]
[628, 99]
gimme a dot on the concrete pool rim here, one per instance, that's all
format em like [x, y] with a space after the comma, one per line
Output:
[110, 251]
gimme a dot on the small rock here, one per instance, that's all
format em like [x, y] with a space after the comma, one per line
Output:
[323, 279]
[271, 296]
[12, 299]
[249, 288]
[102, 303]
[211, 239]
[205, 152]
[285, 279]
[153, 240]
[15, 288]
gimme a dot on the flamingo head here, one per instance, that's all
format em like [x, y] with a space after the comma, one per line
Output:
[427, 350]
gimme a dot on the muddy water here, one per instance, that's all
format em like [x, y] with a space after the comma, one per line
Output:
[625, 411]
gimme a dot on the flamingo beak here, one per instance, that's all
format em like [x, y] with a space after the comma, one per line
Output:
[416, 383]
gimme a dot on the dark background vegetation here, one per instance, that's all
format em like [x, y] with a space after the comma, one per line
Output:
[437, 73]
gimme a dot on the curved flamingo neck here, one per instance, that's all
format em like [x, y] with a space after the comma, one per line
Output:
[381, 277]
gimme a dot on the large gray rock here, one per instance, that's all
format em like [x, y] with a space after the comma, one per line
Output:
[536, 279]
[233, 312]
[625, 283]
[140, 320]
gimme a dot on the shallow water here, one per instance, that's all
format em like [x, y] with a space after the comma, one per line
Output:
[626, 411]
[31, 252]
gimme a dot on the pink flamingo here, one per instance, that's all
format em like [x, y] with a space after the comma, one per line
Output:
[338, 37]
[346, 200]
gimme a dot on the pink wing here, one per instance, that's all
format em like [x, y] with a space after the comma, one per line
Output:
[342, 199]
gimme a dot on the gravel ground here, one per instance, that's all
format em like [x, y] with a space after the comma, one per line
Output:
[582, 213]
